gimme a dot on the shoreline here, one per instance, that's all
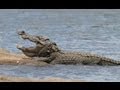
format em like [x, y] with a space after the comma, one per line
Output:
[7, 58]
[7, 78]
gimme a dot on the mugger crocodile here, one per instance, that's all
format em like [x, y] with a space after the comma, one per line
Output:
[57, 56]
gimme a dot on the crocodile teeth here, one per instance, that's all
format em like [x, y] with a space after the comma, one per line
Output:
[19, 46]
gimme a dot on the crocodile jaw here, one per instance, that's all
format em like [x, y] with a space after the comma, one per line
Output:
[19, 46]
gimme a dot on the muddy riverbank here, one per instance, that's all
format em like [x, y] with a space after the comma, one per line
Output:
[7, 58]
[24, 79]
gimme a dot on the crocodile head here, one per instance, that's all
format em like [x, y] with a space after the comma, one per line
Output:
[40, 41]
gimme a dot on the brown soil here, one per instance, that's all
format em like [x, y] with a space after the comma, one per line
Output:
[23, 79]
[17, 59]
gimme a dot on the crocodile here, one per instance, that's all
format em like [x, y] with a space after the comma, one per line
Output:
[58, 56]
[79, 58]
[44, 47]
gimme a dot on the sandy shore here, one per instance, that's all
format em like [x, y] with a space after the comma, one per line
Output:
[23, 79]
[7, 58]
[17, 59]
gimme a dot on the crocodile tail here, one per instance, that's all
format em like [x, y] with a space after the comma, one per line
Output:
[107, 61]
[116, 62]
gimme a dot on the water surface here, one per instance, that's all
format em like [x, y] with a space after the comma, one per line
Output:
[95, 31]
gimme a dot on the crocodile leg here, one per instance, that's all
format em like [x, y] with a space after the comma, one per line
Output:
[43, 59]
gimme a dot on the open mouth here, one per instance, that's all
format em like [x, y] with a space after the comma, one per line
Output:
[24, 36]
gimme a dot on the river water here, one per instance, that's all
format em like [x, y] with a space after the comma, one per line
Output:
[95, 31]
